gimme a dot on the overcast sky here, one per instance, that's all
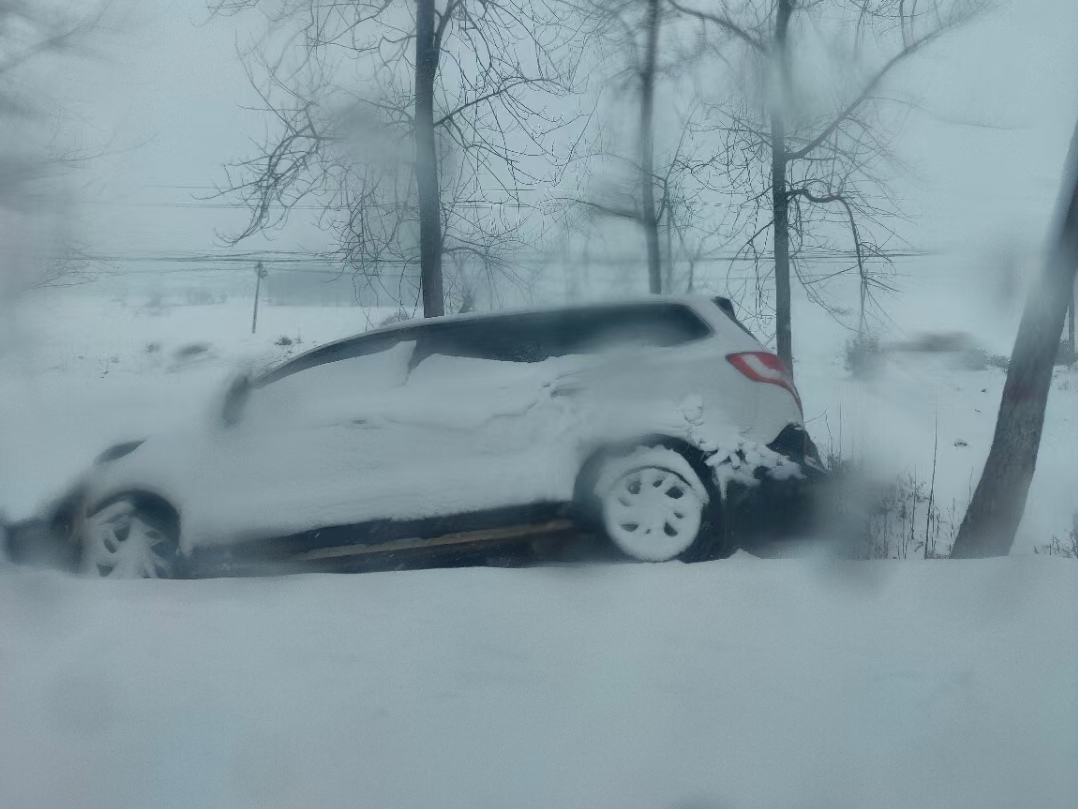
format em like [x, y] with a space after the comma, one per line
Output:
[163, 97]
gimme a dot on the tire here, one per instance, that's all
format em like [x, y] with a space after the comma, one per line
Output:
[130, 538]
[655, 503]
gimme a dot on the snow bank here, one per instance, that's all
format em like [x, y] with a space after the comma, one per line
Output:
[734, 684]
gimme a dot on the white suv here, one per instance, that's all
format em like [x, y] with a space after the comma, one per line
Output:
[440, 438]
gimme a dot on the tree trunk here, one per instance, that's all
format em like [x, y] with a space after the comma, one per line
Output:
[1000, 499]
[780, 199]
[426, 162]
[780, 204]
[647, 147]
[668, 253]
[1071, 345]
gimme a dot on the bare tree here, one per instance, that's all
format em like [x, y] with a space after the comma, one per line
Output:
[683, 214]
[466, 84]
[649, 216]
[1000, 498]
[33, 160]
[630, 176]
[30, 29]
[802, 142]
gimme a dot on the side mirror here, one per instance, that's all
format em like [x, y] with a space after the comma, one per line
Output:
[239, 391]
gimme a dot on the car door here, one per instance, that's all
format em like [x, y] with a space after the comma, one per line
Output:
[638, 365]
[482, 402]
[310, 442]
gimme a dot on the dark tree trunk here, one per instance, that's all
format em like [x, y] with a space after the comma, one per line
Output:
[1000, 499]
[780, 199]
[1072, 347]
[426, 162]
[647, 148]
[780, 204]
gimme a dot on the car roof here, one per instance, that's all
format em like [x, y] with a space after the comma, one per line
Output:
[692, 301]
[621, 303]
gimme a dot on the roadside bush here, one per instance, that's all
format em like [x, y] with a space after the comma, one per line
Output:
[397, 317]
[900, 518]
[863, 356]
[191, 351]
[155, 304]
[1066, 547]
[973, 359]
[199, 297]
[190, 354]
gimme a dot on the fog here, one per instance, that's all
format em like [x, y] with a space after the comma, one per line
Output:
[578, 544]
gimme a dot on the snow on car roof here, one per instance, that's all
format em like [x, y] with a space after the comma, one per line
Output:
[692, 301]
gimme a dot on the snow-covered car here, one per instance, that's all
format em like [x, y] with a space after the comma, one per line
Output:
[635, 422]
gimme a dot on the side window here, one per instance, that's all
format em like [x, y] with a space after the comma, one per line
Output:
[540, 336]
[647, 325]
[333, 386]
[505, 339]
[335, 352]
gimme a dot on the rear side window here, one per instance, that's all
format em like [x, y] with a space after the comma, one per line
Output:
[655, 326]
[534, 337]
[504, 338]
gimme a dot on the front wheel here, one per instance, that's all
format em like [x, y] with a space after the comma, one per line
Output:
[129, 540]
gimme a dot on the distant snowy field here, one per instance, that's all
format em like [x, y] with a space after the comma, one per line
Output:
[745, 683]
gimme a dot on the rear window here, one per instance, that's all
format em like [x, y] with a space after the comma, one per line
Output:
[535, 337]
[727, 307]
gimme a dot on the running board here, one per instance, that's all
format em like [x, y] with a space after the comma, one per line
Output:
[416, 543]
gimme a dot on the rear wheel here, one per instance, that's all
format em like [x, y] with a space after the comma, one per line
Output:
[129, 539]
[654, 506]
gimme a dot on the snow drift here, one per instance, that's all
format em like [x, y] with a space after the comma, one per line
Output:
[735, 684]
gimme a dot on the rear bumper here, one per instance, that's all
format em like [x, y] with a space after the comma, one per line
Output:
[795, 443]
[779, 509]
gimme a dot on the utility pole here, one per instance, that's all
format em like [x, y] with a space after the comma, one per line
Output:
[260, 273]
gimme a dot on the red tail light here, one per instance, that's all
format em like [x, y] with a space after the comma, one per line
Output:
[763, 366]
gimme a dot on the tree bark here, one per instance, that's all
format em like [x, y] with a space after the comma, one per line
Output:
[1000, 498]
[647, 148]
[426, 162]
[1071, 345]
[780, 199]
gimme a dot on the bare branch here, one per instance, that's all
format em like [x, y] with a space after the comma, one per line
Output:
[725, 23]
[870, 86]
[827, 199]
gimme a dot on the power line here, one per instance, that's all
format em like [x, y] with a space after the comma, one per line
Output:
[329, 263]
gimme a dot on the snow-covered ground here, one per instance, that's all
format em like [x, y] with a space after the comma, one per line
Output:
[737, 684]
